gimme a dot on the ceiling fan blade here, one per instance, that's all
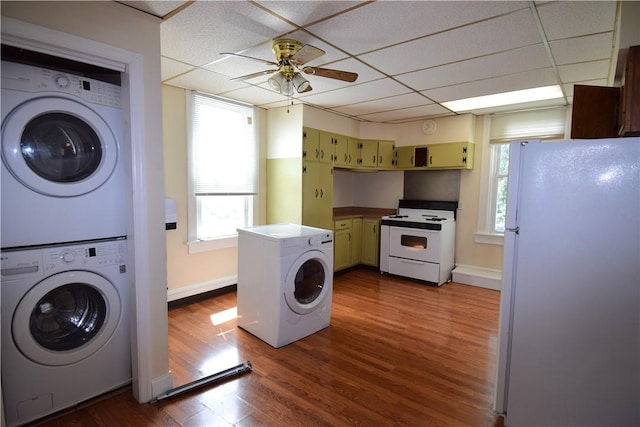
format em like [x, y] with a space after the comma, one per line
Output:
[252, 75]
[307, 53]
[332, 74]
[264, 61]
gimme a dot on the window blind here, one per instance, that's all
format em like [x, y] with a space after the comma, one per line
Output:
[224, 147]
[539, 124]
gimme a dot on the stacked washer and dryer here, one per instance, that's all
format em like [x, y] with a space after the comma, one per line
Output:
[65, 287]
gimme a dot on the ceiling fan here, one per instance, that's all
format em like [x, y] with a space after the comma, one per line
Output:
[291, 56]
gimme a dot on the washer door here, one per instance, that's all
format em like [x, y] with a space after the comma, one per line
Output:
[58, 147]
[66, 318]
[308, 282]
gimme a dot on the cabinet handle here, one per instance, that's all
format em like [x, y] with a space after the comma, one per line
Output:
[411, 160]
[317, 153]
[322, 154]
[430, 159]
[379, 159]
[345, 158]
[304, 169]
[349, 158]
[374, 160]
[316, 193]
[321, 193]
[464, 160]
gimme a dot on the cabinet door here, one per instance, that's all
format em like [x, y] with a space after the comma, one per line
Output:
[326, 147]
[370, 241]
[341, 245]
[457, 155]
[356, 241]
[341, 152]
[368, 153]
[405, 157]
[386, 154]
[354, 152]
[317, 194]
[310, 144]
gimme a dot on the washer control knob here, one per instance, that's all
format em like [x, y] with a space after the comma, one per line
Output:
[67, 257]
[61, 81]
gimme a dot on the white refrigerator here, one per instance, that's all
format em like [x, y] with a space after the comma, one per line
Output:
[569, 340]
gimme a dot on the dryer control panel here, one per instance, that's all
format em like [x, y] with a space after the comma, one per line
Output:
[27, 78]
[21, 264]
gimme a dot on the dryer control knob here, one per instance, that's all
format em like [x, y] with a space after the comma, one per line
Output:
[67, 256]
[61, 81]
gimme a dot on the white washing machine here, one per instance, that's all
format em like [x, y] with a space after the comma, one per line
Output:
[63, 175]
[285, 281]
[65, 326]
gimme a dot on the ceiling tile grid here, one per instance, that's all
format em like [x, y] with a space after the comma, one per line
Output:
[410, 55]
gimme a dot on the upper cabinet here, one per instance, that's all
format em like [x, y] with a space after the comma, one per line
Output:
[457, 155]
[317, 146]
[630, 99]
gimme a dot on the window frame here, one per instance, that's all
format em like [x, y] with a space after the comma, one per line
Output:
[194, 244]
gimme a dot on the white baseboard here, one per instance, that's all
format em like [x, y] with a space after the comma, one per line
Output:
[199, 288]
[162, 384]
[478, 276]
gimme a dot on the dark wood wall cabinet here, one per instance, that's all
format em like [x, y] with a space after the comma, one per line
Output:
[630, 102]
[595, 112]
[609, 112]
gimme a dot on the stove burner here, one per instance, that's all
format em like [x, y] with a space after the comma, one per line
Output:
[398, 216]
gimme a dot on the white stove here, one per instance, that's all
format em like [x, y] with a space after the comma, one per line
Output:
[419, 241]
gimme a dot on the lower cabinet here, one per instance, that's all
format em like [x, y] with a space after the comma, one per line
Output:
[356, 241]
[370, 241]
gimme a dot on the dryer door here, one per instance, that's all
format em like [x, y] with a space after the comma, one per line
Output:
[58, 147]
[66, 318]
[309, 282]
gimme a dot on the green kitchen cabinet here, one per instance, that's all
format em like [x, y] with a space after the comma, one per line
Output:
[342, 244]
[370, 241]
[356, 238]
[458, 155]
[317, 194]
[368, 153]
[386, 158]
[317, 145]
[341, 157]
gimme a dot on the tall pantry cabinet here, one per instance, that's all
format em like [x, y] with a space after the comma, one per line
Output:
[299, 172]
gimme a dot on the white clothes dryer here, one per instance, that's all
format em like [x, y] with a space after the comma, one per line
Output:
[285, 281]
[65, 326]
[63, 175]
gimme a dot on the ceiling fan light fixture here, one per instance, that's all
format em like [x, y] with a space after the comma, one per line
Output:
[276, 82]
[300, 83]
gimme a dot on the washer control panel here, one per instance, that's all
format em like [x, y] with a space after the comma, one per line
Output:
[22, 264]
[33, 79]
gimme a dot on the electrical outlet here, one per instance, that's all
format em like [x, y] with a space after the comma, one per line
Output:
[460, 204]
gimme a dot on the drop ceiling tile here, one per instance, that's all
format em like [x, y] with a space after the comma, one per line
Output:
[496, 35]
[404, 114]
[156, 8]
[205, 81]
[502, 63]
[564, 19]
[582, 49]
[526, 80]
[170, 68]
[357, 93]
[584, 71]
[306, 12]
[385, 23]
[386, 104]
[255, 95]
[198, 34]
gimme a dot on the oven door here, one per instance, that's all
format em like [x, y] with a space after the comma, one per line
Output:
[414, 243]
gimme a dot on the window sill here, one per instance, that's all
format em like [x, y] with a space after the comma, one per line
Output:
[489, 238]
[198, 246]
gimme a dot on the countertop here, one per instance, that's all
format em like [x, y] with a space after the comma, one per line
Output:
[360, 212]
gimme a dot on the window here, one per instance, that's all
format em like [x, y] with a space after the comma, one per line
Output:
[499, 131]
[223, 165]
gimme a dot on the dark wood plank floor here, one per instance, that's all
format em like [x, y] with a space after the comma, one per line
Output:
[397, 353]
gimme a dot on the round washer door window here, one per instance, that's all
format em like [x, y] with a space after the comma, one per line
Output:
[309, 282]
[58, 147]
[66, 318]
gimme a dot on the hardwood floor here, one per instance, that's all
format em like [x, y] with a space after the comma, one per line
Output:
[397, 353]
